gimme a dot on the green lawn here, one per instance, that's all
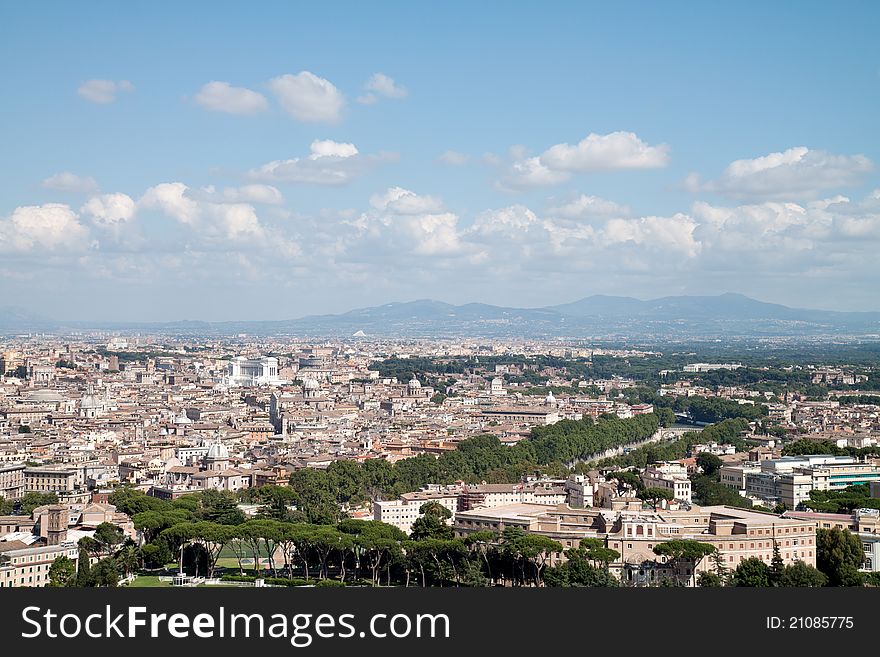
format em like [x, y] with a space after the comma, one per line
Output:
[148, 581]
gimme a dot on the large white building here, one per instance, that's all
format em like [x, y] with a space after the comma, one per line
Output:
[403, 512]
[668, 476]
[708, 367]
[243, 371]
[790, 479]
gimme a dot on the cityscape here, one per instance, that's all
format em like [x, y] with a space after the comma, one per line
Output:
[142, 460]
[405, 295]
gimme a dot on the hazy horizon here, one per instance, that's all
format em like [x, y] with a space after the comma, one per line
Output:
[164, 320]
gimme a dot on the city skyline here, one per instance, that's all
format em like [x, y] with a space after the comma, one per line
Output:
[293, 161]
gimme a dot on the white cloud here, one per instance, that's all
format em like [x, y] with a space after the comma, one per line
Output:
[307, 97]
[110, 210]
[795, 173]
[585, 206]
[103, 91]
[617, 150]
[329, 148]
[70, 182]
[454, 158]
[383, 85]
[227, 224]
[401, 227]
[367, 99]
[53, 226]
[402, 201]
[531, 172]
[513, 221]
[674, 233]
[223, 97]
[172, 200]
[328, 163]
[614, 151]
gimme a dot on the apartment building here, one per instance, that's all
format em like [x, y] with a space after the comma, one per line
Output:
[50, 479]
[668, 476]
[28, 565]
[12, 480]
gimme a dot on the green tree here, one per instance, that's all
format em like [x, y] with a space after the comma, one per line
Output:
[839, 555]
[108, 536]
[653, 496]
[685, 551]
[30, 501]
[83, 570]
[709, 463]
[751, 572]
[313, 496]
[128, 559]
[105, 573]
[62, 572]
[219, 506]
[777, 566]
[801, 575]
[666, 416]
[432, 523]
[709, 580]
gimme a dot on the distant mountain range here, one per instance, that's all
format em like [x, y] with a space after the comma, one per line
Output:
[594, 316]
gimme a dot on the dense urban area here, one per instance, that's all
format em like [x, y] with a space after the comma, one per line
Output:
[137, 460]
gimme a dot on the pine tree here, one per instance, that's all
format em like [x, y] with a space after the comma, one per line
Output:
[720, 569]
[777, 566]
[83, 570]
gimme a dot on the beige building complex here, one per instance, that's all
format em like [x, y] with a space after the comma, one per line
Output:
[737, 534]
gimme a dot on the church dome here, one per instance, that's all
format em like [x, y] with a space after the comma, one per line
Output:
[182, 419]
[311, 384]
[217, 452]
[414, 384]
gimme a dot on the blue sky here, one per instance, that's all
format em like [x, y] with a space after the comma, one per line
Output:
[269, 160]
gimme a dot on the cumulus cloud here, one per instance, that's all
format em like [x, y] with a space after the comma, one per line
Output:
[531, 172]
[617, 150]
[172, 199]
[328, 163]
[222, 97]
[402, 201]
[794, 173]
[611, 152]
[307, 97]
[52, 226]
[383, 85]
[103, 91]
[110, 210]
[70, 182]
[329, 148]
[674, 233]
[227, 224]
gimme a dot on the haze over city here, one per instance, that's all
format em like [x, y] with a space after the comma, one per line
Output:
[294, 160]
